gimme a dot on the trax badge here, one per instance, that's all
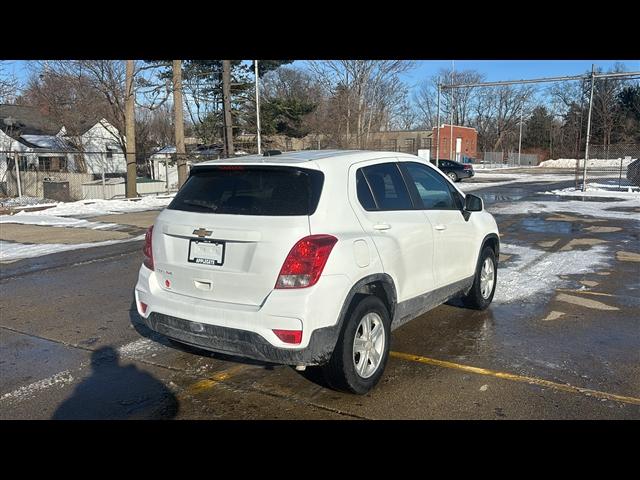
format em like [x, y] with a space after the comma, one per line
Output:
[201, 232]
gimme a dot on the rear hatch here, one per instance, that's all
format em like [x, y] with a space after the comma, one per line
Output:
[229, 229]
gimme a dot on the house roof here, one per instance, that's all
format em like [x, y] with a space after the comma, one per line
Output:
[18, 120]
[50, 142]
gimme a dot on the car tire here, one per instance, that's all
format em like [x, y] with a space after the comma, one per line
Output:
[453, 176]
[481, 293]
[346, 370]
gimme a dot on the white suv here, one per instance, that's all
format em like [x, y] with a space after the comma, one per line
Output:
[313, 257]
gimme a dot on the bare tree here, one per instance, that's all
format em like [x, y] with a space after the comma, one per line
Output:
[8, 84]
[103, 82]
[358, 83]
[460, 100]
[406, 116]
[497, 115]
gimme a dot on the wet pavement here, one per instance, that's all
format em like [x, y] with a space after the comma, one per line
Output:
[72, 345]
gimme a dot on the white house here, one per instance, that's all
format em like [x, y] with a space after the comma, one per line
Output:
[103, 151]
[30, 136]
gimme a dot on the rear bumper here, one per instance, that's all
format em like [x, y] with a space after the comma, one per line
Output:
[247, 330]
[243, 343]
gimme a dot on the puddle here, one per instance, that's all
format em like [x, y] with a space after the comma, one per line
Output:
[588, 199]
[539, 225]
[490, 198]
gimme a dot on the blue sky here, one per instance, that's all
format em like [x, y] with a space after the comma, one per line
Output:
[511, 69]
[493, 69]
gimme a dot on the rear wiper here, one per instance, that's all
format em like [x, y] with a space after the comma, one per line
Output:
[201, 204]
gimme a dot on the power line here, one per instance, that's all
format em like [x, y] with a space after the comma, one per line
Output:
[541, 80]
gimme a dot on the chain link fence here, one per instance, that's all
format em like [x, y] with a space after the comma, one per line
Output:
[63, 176]
[610, 167]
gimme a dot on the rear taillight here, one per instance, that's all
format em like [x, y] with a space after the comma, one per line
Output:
[147, 250]
[289, 336]
[468, 167]
[305, 262]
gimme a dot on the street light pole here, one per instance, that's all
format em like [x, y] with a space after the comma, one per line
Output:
[586, 150]
[258, 107]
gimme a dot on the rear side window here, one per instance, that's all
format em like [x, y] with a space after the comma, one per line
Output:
[249, 190]
[388, 187]
[364, 192]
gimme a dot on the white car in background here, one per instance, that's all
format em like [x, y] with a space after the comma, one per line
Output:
[311, 258]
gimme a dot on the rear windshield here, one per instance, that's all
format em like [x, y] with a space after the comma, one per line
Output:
[250, 190]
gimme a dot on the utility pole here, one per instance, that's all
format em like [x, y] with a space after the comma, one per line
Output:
[226, 99]
[520, 137]
[586, 150]
[179, 122]
[258, 107]
[130, 131]
[453, 69]
[16, 159]
[438, 128]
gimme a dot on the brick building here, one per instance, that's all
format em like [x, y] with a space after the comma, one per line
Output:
[464, 146]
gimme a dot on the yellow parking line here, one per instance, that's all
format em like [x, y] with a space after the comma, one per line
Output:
[207, 383]
[565, 387]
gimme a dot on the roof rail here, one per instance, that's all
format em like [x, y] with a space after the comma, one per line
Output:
[270, 153]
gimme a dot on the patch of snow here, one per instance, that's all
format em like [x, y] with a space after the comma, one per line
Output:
[593, 162]
[592, 209]
[105, 207]
[598, 190]
[48, 141]
[91, 208]
[140, 349]
[498, 179]
[25, 201]
[535, 273]
[39, 218]
[59, 379]
[10, 251]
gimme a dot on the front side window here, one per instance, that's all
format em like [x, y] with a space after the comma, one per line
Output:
[432, 188]
[388, 187]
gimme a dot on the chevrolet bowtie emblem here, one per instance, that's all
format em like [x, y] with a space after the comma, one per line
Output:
[201, 232]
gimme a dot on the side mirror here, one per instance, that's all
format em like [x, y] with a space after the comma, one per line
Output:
[472, 203]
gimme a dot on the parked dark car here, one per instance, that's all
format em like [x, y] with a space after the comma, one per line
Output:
[633, 173]
[456, 171]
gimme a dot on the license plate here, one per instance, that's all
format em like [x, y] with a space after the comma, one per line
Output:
[206, 252]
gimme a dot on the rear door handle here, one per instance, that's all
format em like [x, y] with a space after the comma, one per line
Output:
[382, 226]
[440, 227]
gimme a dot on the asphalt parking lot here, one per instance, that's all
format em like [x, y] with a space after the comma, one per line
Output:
[561, 341]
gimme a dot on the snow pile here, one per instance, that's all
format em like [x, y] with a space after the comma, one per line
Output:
[105, 207]
[37, 218]
[25, 201]
[593, 163]
[596, 189]
[10, 251]
[535, 272]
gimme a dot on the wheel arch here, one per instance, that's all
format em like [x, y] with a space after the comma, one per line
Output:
[492, 240]
[380, 285]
